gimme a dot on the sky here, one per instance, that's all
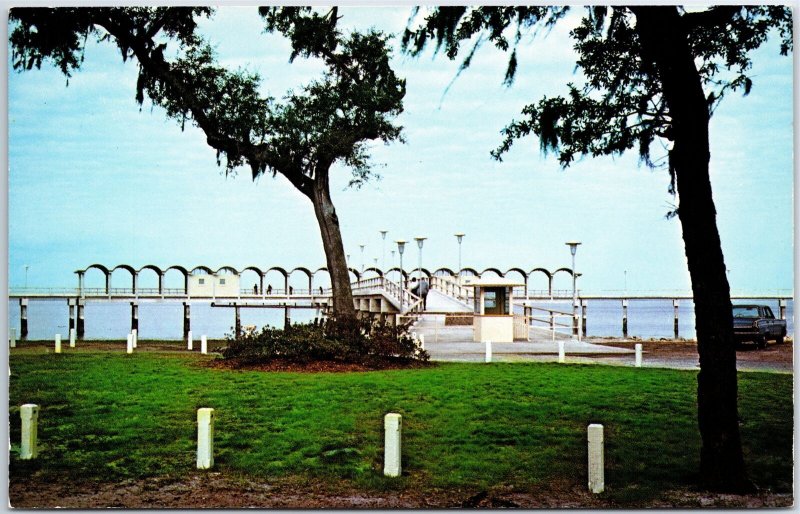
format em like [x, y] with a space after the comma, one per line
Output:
[95, 179]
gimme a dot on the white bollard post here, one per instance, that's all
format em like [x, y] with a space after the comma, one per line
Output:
[190, 343]
[393, 430]
[597, 481]
[30, 425]
[135, 334]
[205, 438]
[638, 355]
[203, 344]
[422, 341]
[414, 336]
[72, 338]
[13, 338]
[130, 343]
[58, 343]
[562, 354]
[488, 351]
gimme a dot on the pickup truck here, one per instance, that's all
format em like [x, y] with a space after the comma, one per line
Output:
[757, 323]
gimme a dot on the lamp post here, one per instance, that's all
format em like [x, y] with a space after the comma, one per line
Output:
[26, 276]
[573, 248]
[401, 245]
[419, 241]
[393, 252]
[459, 236]
[362, 257]
[383, 251]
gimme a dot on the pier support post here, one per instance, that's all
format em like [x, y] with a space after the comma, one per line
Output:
[81, 320]
[72, 302]
[597, 481]
[23, 318]
[237, 321]
[625, 319]
[187, 321]
[675, 304]
[205, 438]
[583, 316]
[287, 320]
[393, 431]
[30, 426]
[134, 316]
[782, 307]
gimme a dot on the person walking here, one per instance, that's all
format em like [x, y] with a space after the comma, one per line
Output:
[423, 293]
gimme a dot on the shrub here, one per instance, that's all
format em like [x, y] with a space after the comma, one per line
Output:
[344, 340]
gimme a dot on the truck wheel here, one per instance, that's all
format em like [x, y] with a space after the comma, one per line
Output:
[779, 339]
[761, 342]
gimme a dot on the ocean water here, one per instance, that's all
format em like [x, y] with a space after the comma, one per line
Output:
[164, 319]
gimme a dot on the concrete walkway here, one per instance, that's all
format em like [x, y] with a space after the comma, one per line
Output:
[455, 344]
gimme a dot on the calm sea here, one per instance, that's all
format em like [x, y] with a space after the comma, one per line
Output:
[164, 320]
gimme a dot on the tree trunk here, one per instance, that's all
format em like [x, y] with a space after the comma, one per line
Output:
[664, 45]
[334, 248]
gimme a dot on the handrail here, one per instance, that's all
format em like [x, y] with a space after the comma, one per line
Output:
[453, 289]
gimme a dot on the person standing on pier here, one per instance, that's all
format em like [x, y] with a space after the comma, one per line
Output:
[423, 293]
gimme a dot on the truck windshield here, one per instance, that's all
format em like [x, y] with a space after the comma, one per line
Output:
[743, 311]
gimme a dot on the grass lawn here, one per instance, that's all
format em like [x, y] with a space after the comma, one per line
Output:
[109, 416]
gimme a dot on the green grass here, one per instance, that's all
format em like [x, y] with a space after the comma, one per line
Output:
[108, 416]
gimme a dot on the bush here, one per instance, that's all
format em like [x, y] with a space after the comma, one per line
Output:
[346, 340]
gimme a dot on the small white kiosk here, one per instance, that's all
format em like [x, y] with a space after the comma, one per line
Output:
[493, 318]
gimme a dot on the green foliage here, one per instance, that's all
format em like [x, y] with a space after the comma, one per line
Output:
[620, 106]
[345, 340]
[466, 427]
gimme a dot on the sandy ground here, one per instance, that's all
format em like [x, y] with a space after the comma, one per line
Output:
[215, 490]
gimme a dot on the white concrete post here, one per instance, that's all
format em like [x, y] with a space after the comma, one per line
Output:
[393, 429]
[638, 355]
[597, 481]
[205, 438]
[30, 426]
[13, 338]
[203, 344]
[58, 343]
[130, 343]
[562, 354]
[190, 343]
[422, 341]
[72, 338]
[488, 351]
[135, 334]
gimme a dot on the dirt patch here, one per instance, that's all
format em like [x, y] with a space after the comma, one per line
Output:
[316, 366]
[775, 357]
[216, 490]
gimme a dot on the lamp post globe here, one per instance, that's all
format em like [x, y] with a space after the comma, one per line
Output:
[383, 250]
[459, 237]
[419, 241]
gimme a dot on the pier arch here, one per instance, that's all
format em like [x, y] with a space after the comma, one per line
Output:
[150, 277]
[121, 276]
[301, 280]
[276, 280]
[562, 282]
[322, 279]
[540, 282]
[96, 278]
[251, 278]
[176, 278]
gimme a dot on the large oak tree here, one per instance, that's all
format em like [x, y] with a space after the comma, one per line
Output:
[328, 121]
[653, 74]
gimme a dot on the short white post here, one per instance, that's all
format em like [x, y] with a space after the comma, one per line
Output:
[130, 343]
[30, 425]
[205, 438]
[58, 343]
[203, 344]
[135, 334]
[414, 336]
[488, 351]
[13, 338]
[638, 348]
[422, 341]
[190, 343]
[72, 338]
[597, 481]
[393, 429]
[562, 354]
